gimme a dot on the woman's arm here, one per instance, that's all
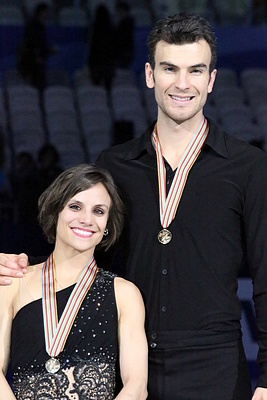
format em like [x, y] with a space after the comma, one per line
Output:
[7, 294]
[132, 341]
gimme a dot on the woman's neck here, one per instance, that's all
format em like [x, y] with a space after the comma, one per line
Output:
[69, 267]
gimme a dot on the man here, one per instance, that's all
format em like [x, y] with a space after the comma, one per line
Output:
[196, 202]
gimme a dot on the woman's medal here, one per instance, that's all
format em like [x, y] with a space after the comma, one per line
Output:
[52, 365]
[57, 332]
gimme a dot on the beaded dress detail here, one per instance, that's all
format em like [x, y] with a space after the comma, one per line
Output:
[88, 361]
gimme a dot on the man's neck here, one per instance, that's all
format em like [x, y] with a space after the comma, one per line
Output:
[173, 141]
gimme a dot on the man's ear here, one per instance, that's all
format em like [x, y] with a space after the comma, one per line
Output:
[212, 80]
[149, 75]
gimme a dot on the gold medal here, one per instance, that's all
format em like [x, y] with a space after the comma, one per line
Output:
[164, 236]
[52, 365]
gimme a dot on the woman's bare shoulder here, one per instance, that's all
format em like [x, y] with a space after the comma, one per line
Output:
[125, 285]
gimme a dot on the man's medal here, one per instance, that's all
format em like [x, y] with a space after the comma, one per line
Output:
[168, 204]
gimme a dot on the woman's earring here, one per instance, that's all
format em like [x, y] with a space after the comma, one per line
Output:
[106, 232]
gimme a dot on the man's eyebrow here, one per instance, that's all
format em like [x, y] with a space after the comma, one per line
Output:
[201, 65]
[169, 64]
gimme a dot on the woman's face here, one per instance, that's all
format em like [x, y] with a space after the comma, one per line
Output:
[82, 221]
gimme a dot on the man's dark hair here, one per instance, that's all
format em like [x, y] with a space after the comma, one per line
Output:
[182, 28]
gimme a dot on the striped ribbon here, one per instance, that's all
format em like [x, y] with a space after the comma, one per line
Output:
[168, 204]
[57, 332]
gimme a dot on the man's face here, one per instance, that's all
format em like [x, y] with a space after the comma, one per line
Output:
[181, 80]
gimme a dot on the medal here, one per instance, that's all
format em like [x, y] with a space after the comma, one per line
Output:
[52, 365]
[56, 332]
[164, 236]
[168, 202]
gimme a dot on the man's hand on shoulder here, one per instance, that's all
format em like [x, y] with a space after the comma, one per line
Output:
[12, 266]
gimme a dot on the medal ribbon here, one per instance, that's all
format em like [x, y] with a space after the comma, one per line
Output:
[56, 333]
[168, 204]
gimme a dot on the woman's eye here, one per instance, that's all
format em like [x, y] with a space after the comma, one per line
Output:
[75, 207]
[99, 211]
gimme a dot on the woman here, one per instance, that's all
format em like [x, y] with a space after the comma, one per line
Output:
[64, 323]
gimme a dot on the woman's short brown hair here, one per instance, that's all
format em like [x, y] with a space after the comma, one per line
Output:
[70, 182]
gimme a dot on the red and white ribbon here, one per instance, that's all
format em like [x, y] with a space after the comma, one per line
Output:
[57, 332]
[168, 204]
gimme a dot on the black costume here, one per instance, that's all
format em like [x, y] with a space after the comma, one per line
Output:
[88, 360]
[189, 285]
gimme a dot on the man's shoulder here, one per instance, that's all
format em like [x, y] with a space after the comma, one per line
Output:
[232, 146]
[236, 145]
[121, 152]
[123, 147]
